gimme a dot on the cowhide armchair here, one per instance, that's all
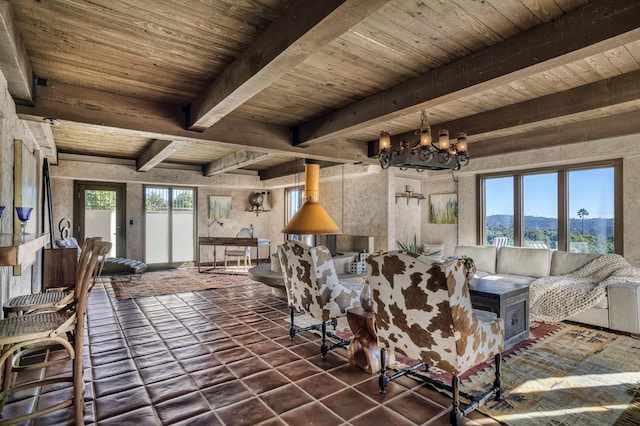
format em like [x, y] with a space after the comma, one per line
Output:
[313, 287]
[423, 310]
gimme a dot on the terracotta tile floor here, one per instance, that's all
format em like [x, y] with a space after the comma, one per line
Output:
[224, 357]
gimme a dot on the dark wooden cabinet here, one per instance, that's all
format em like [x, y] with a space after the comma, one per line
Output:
[59, 267]
[510, 301]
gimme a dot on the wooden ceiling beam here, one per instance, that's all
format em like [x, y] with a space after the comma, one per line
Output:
[589, 30]
[600, 128]
[604, 97]
[157, 153]
[233, 161]
[43, 135]
[117, 113]
[14, 61]
[290, 168]
[302, 30]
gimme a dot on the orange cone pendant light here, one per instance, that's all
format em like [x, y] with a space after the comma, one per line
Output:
[312, 218]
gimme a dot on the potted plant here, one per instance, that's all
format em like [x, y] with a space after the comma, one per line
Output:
[412, 247]
[469, 266]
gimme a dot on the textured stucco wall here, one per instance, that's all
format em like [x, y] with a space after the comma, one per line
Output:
[407, 214]
[361, 199]
[265, 224]
[631, 207]
[357, 200]
[11, 128]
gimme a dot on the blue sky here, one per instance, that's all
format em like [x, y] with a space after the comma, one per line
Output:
[590, 189]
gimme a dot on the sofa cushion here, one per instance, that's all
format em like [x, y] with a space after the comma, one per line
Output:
[563, 262]
[484, 257]
[532, 262]
[121, 265]
[514, 279]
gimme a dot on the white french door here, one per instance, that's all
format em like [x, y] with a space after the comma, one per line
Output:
[99, 212]
[170, 224]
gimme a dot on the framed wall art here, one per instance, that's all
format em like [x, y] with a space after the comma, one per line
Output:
[443, 208]
[219, 207]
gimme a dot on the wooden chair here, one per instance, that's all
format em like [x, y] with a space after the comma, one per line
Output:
[423, 310]
[239, 252]
[23, 335]
[313, 287]
[53, 298]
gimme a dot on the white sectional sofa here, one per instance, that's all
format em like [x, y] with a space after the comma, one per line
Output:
[620, 310]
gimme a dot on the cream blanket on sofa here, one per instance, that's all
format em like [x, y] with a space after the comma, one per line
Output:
[556, 298]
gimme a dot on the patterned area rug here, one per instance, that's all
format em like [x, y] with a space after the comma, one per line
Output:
[577, 376]
[176, 281]
[563, 375]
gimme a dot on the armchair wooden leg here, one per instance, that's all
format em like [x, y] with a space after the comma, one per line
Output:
[497, 384]
[292, 329]
[383, 380]
[324, 348]
[334, 323]
[456, 415]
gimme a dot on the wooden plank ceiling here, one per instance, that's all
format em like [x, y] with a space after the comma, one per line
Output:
[253, 85]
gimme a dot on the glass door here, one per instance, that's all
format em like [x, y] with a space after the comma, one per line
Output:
[100, 213]
[170, 225]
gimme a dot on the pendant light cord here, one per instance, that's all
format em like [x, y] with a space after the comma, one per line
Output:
[342, 205]
[455, 180]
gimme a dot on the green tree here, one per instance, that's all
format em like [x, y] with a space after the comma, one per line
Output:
[581, 214]
[184, 201]
[156, 203]
[100, 200]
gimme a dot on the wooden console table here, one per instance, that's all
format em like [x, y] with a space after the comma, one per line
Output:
[232, 241]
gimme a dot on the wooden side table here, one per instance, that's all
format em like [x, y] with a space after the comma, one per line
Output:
[59, 265]
[363, 351]
[510, 301]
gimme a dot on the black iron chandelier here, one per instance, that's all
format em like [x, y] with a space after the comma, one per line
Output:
[425, 154]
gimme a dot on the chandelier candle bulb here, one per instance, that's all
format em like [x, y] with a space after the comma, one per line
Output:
[461, 145]
[443, 139]
[425, 137]
[385, 140]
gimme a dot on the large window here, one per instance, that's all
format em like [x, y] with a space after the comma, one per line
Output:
[573, 208]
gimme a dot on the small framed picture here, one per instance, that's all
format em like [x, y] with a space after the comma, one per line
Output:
[219, 207]
[443, 208]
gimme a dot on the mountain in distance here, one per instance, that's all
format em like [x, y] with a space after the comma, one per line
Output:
[591, 226]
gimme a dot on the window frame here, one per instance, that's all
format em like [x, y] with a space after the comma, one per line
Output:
[563, 217]
[287, 218]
